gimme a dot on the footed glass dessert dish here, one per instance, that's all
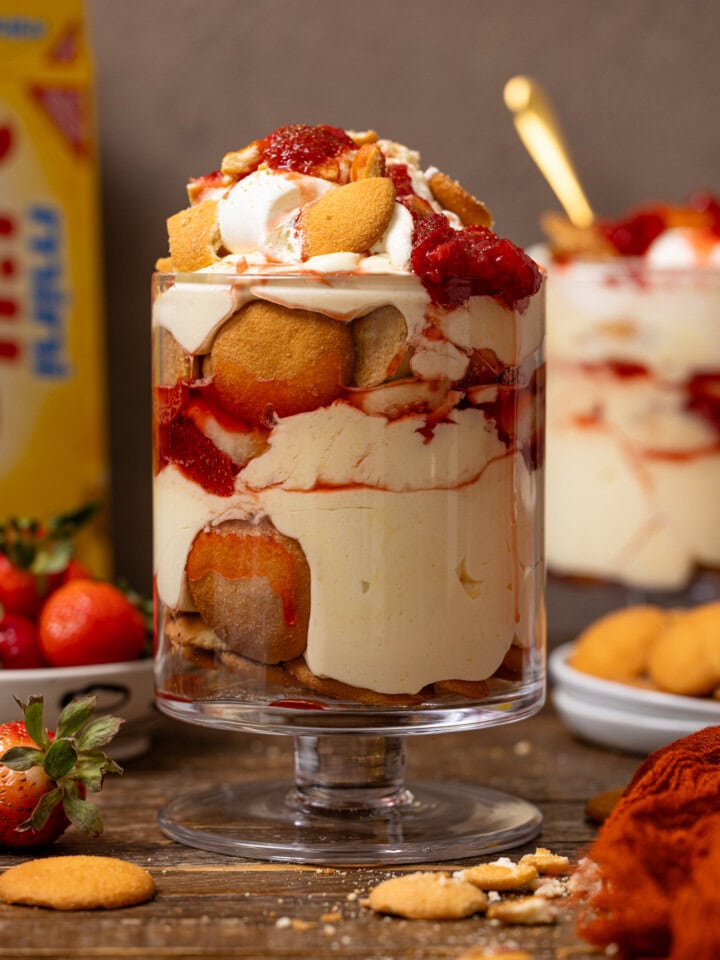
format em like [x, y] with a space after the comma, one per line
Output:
[348, 550]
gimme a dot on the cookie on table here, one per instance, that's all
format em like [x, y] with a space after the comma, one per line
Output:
[496, 876]
[546, 862]
[530, 911]
[492, 953]
[427, 896]
[77, 883]
[599, 807]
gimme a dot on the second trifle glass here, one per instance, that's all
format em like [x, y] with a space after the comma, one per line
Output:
[348, 552]
[633, 437]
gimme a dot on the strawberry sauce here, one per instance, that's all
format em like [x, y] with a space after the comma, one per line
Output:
[181, 442]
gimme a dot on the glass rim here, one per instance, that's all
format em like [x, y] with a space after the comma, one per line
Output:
[315, 275]
[629, 269]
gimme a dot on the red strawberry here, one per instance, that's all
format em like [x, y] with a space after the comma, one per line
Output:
[19, 589]
[85, 621]
[35, 558]
[19, 645]
[44, 777]
[74, 571]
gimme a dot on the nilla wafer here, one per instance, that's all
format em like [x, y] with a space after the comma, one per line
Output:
[251, 585]
[349, 219]
[174, 365]
[496, 876]
[337, 690]
[686, 657]
[427, 896]
[76, 883]
[450, 195]
[380, 340]
[618, 645]
[269, 359]
[194, 237]
[369, 161]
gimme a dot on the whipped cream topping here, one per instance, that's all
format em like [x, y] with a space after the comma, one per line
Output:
[684, 248]
[257, 213]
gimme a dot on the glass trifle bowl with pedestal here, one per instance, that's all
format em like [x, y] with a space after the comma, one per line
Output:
[348, 498]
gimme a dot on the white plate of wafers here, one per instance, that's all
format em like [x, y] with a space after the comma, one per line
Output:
[623, 716]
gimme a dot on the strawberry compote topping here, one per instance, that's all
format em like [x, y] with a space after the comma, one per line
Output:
[457, 264]
[303, 148]
[708, 205]
[398, 173]
[633, 236]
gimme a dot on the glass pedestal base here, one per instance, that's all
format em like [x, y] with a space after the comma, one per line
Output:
[336, 813]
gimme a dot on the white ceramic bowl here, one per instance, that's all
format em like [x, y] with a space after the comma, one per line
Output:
[123, 689]
[621, 716]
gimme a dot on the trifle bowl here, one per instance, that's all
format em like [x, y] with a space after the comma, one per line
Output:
[633, 415]
[348, 514]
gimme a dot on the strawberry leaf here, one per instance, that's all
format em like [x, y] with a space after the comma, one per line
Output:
[59, 759]
[90, 773]
[82, 813]
[98, 732]
[33, 715]
[53, 557]
[74, 715]
[43, 550]
[66, 525]
[40, 815]
[22, 758]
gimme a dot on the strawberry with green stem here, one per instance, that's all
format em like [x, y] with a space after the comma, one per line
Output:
[45, 777]
[34, 556]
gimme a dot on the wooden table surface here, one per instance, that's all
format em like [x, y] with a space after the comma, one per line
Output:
[209, 906]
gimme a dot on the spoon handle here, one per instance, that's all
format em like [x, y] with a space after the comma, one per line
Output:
[539, 130]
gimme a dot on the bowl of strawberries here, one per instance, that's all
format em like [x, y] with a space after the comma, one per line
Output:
[66, 634]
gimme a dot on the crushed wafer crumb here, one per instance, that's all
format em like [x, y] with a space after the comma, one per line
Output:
[549, 887]
[525, 910]
[546, 862]
[491, 953]
[332, 917]
[496, 876]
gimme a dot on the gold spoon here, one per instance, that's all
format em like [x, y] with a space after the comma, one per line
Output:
[539, 130]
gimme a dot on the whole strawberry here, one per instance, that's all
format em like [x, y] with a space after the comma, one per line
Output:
[87, 622]
[35, 558]
[19, 645]
[44, 777]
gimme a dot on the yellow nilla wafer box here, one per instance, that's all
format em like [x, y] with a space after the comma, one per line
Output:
[53, 454]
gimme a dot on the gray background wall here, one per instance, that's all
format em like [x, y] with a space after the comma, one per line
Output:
[179, 83]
